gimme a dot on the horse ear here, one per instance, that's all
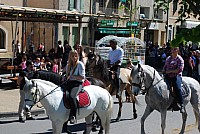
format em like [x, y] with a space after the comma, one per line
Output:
[139, 66]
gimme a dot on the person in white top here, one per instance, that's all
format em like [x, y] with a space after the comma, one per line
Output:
[115, 58]
[75, 74]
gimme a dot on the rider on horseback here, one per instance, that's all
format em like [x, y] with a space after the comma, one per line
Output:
[173, 69]
[115, 58]
[75, 73]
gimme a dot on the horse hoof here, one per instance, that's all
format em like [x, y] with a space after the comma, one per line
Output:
[135, 116]
[117, 119]
[94, 129]
[100, 132]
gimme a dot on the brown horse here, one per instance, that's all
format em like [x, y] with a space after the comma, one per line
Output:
[97, 67]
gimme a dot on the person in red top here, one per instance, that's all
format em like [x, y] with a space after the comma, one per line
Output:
[173, 69]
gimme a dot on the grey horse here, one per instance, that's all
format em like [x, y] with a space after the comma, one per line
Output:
[157, 96]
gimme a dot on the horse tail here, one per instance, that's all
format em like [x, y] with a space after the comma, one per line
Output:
[108, 116]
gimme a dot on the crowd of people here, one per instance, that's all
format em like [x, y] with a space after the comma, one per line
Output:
[191, 55]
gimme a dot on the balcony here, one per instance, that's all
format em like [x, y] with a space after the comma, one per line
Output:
[108, 11]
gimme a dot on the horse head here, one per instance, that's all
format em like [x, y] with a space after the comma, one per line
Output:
[31, 93]
[138, 79]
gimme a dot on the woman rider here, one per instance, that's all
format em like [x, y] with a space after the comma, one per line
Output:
[75, 74]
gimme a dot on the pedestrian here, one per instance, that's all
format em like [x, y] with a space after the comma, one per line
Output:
[198, 64]
[55, 66]
[75, 74]
[173, 69]
[23, 64]
[27, 72]
[191, 65]
[37, 63]
[115, 57]
[59, 54]
[67, 49]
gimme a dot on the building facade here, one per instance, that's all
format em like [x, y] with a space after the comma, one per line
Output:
[9, 31]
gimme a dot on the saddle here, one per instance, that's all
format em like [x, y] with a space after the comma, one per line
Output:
[82, 99]
[185, 92]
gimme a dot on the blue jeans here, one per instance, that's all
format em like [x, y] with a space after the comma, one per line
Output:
[176, 84]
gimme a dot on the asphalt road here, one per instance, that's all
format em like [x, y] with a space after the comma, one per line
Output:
[127, 125]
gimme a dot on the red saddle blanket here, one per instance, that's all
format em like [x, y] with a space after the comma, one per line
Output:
[83, 99]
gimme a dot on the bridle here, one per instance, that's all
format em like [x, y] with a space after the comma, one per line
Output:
[35, 99]
[142, 79]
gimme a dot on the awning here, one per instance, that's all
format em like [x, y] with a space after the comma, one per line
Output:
[114, 30]
[190, 24]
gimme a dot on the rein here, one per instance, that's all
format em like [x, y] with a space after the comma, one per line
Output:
[145, 90]
[37, 91]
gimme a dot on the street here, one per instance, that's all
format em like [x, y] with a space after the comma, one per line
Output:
[127, 125]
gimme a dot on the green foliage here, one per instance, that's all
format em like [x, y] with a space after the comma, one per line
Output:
[187, 9]
[186, 35]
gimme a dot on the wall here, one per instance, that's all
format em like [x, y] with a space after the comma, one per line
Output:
[7, 53]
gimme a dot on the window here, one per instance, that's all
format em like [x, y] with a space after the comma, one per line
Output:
[158, 13]
[145, 11]
[101, 3]
[2, 39]
[76, 4]
[115, 5]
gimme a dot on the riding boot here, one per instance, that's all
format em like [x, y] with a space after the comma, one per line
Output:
[73, 105]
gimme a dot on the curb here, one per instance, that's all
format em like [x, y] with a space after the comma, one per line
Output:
[15, 114]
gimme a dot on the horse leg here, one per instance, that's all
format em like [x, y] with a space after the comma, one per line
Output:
[148, 111]
[184, 117]
[65, 129]
[163, 120]
[196, 111]
[120, 109]
[133, 99]
[57, 127]
[89, 124]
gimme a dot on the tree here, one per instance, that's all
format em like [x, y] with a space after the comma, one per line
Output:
[188, 8]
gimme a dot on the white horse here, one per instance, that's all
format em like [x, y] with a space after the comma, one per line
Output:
[51, 97]
[158, 97]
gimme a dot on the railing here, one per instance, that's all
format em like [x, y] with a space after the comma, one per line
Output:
[108, 11]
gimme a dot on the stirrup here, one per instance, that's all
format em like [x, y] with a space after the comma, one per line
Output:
[72, 120]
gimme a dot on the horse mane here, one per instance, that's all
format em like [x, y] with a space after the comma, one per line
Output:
[48, 76]
[51, 84]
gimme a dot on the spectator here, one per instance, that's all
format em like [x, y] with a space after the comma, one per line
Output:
[27, 72]
[67, 49]
[37, 63]
[23, 64]
[43, 64]
[55, 66]
[198, 64]
[59, 54]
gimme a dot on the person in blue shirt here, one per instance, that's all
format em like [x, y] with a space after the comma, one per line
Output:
[115, 58]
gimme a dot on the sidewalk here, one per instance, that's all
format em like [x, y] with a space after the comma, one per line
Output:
[9, 100]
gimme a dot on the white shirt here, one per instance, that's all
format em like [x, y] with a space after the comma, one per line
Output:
[79, 71]
[115, 55]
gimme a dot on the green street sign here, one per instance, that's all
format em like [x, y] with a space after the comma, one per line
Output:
[133, 24]
[105, 23]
